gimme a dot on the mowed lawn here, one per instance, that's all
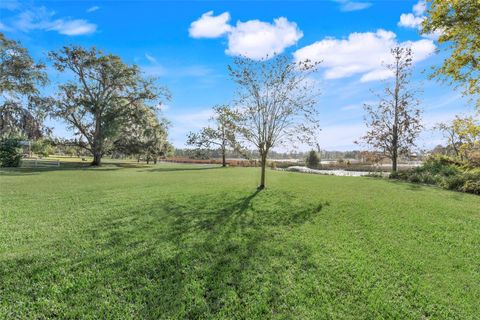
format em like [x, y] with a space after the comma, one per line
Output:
[195, 242]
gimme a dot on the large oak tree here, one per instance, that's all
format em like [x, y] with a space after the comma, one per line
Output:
[103, 94]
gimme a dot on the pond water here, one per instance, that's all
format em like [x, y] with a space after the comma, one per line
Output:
[342, 173]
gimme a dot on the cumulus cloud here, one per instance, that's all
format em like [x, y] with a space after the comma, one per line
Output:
[419, 8]
[39, 18]
[210, 26]
[257, 39]
[414, 19]
[254, 38]
[409, 20]
[361, 54]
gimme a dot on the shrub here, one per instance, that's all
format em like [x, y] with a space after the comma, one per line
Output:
[313, 160]
[415, 178]
[10, 152]
[453, 182]
[471, 186]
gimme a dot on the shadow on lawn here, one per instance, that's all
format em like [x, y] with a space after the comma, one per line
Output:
[188, 257]
[191, 257]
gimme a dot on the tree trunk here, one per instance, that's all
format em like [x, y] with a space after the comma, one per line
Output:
[97, 142]
[97, 158]
[263, 167]
[224, 162]
[394, 162]
[155, 159]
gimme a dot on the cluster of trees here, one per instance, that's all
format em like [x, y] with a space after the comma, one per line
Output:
[109, 105]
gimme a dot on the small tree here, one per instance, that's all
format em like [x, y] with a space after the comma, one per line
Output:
[395, 123]
[104, 94]
[312, 159]
[276, 104]
[221, 135]
[10, 152]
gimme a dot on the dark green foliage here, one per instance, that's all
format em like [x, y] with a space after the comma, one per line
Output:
[313, 160]
[445, 172]
[10, 152]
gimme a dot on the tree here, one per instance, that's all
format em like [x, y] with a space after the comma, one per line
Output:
[395, 123]
[144, 134]
[463, 136]
[457, 22]
[454, 140]
[221, 135]
[276, 103]
[468, 130]
[20, 78]
[312, 159]
[104, 94]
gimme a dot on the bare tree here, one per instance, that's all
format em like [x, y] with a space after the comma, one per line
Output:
[222, 135]
[104, 93]
[395, 123]
[276, 104]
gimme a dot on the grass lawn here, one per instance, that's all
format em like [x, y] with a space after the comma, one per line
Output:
[196, 242]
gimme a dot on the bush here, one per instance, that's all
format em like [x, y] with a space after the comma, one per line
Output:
[445, 172]
[10, 152]
[471, 186]
[313, 160]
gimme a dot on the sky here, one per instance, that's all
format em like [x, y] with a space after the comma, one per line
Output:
[189, 44]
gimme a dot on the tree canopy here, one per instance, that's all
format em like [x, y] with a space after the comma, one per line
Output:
[457, 23]
[104, 94]
[276, 103]
[20, 78]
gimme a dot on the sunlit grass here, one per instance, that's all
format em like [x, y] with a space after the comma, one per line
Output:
[198, 242]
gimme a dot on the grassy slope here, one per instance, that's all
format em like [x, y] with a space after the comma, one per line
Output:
[175, 241]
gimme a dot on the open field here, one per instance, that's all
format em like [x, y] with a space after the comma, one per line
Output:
[198, 242]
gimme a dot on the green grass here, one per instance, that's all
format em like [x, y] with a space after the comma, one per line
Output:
[177, 242]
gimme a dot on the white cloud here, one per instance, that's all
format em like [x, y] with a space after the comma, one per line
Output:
[39, 18]
[150, 58]
[419, 8]
[254, 38]
[73, 27]
[210, 26]
[347, 6]
[361, 53]
[354, 6]
[409, 20]
[93, 9]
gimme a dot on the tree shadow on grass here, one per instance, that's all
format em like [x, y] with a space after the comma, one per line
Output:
[188, 257]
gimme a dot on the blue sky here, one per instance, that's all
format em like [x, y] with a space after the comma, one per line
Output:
[188, 45]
